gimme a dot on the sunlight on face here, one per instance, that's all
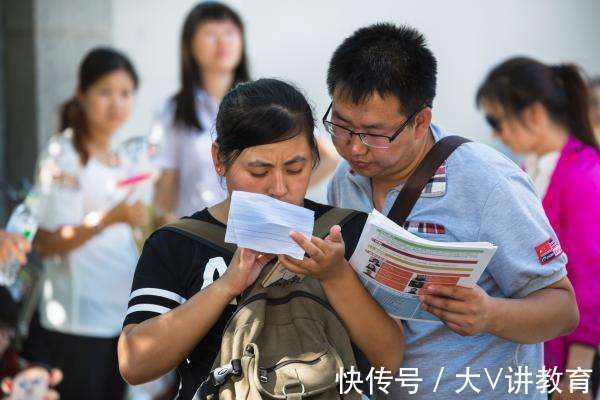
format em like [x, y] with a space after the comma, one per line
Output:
[280, 170]
[108, 102]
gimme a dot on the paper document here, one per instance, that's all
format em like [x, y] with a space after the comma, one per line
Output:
[396, 265]
[262, 223]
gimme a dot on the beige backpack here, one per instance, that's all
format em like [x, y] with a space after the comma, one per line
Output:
[284, 341]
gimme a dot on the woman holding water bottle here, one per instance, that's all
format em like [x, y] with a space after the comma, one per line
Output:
[85, 231]
[12, 246]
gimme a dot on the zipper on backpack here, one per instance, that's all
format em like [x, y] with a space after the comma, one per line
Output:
[263, 372]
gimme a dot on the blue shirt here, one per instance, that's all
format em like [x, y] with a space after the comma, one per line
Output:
[479, 195]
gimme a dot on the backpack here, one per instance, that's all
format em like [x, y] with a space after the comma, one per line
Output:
[284, 341]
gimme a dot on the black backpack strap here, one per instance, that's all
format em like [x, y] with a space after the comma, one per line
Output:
[415, 184]
[203, 231]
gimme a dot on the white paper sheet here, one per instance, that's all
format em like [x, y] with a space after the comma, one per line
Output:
[262, 223]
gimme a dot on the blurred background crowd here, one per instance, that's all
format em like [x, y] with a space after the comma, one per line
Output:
[107, 110]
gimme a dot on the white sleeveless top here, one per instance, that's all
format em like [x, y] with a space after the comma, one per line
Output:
[85, 292]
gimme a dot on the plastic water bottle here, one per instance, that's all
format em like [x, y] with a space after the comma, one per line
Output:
[22, 222]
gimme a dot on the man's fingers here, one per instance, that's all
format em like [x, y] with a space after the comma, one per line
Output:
[445, 316]
[451, 291]
[456, 328]
[443, 303]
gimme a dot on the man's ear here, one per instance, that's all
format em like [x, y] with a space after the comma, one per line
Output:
[55, 377]
[7, 385]
[421, 123]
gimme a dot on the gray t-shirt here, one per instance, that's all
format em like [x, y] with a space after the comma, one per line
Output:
[478, 195]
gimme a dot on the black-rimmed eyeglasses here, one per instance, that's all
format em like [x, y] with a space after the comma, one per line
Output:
[369, 139]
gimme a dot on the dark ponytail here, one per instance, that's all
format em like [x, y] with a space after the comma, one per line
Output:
[561, 89]
[95, 65]
[578, 103]
[72, 116]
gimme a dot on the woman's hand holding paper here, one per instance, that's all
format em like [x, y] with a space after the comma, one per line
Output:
[244, 268]
[324, 259]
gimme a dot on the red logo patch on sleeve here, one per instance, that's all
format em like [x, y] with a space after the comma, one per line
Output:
[548, 251]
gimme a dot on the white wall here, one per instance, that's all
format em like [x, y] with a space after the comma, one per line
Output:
[295, 39]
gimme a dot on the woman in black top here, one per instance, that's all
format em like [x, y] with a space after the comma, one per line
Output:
[184, 291]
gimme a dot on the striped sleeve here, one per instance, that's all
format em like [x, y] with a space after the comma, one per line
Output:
[156, 288]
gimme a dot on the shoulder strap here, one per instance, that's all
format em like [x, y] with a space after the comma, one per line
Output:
[333, 216]
[215, 234]
[202, 231]
[415, 184]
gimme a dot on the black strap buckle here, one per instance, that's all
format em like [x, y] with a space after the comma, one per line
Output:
[217, 378]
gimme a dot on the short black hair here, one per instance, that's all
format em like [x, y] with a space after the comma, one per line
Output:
[388, 60]
[262, 112]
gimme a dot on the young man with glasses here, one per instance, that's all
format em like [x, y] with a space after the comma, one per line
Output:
[382, 81]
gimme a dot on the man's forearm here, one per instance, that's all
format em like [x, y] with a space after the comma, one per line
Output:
[541, 316]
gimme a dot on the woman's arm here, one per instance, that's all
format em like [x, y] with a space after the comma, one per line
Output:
[68, 238]
[165, 196]
[157, 345]
[154, 347]
[379, 337]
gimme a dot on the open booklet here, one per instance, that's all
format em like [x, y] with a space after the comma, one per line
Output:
[395, 265]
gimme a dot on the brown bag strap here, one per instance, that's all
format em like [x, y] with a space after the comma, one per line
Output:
[207, 232]
[415, 184]
[331, 217]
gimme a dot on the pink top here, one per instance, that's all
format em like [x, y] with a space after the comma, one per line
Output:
[572, 204]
